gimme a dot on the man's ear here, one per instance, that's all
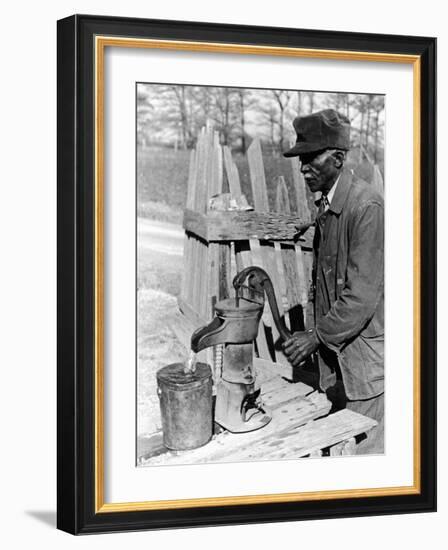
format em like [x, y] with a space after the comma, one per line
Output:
[339, 157]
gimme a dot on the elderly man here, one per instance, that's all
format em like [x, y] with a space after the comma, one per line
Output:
[348, 273]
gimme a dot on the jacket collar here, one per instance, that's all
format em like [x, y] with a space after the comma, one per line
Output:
[340, 196]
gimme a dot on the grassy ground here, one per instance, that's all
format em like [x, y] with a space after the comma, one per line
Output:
[157, 347]
[162, 177]
[160, 272]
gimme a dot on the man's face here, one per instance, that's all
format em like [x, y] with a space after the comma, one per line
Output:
[319, 170]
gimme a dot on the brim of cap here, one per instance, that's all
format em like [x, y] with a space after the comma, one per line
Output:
[301, 148]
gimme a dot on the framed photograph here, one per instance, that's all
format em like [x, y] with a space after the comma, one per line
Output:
[246, 274]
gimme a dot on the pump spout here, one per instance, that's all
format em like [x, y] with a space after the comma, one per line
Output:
[209, 335]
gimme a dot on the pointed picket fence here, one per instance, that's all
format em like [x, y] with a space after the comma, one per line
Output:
[222, 237]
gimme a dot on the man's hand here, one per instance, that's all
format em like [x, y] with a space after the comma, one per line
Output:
[300, 346]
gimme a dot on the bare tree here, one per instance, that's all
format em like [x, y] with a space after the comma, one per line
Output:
[202, 98]
[282, 99]
[144, 111]
[378, 107]
[225, 112]
[311, 101]
[246, 102]
[299, 102]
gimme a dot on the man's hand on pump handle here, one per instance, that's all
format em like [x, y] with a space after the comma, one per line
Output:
[300, 346]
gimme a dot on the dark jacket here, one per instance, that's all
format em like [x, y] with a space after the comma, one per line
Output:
[349, 288]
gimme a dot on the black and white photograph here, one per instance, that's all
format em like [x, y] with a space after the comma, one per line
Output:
[260, 274]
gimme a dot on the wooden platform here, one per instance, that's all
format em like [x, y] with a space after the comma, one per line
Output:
[300, 426]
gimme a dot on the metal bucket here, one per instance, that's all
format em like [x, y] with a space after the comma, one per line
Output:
[185, 405]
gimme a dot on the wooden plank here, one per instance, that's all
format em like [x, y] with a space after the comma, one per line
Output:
[265, 327]
[191, 259]
[211, 157]
[197, 167]
[265, 350]
[305, 238]
[282, 288]
[303, 210]
[277, 384]
[213, 266]
[266, 369]
[213, 280]
[308, 438]
[150, 445]
[269, 261]
[186, 267]
[183, 325]
[282, 204]
[238, 225]
[224, 446]
[349, 447]
[282, 197]
[307, 261]
[191, 179]
[201, 274]
[257, 177]
[203, 172]
[196, 223]
[230, 266]
[224, 282]
[218, 173]
[316, 453]
[194, 295]
[232, 173]
[195, 200]
[202, 181]
[233, 267]
[294, 283]
[304, 273]
[284, 394]
[191, 314]
[243, 256]
[336, 450]
[187, 255]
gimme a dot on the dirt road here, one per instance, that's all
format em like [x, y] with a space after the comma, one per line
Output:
[159, 268]
[163, 237]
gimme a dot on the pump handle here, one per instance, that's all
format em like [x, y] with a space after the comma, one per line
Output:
[258, 278]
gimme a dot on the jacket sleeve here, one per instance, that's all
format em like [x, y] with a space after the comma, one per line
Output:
[364, 278]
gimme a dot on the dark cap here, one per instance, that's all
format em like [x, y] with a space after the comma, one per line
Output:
[325, 129]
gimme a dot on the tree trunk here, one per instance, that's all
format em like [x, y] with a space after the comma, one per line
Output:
[361, 131]
[311, 101]
[243, 131]
[375, 152]
[368, 124]
[299, 103]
